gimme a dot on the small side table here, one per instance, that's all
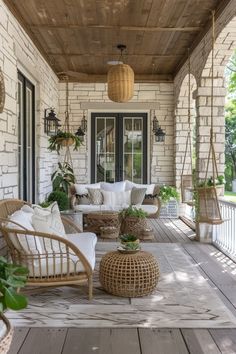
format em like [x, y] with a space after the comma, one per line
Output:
[74, 215]
[129, 275]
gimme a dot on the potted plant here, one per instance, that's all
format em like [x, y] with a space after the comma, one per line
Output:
[219, 184]
[12, 278]
[63, 178]
[61, 198]
[62, 139]
[133, 221]
[168, 192]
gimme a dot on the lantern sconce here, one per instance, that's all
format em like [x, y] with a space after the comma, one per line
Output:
[82, 128]
[51, 122]
[158, 131]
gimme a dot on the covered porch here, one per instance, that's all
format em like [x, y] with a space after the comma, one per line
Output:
[54, 57]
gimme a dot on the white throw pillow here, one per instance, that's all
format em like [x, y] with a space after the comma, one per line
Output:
[116, 198]
[113, 187]
[82, 189]
[150, 187]
[30, 244]
[48, 220]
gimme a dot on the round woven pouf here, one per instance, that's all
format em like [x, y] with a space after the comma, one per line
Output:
[129, 275]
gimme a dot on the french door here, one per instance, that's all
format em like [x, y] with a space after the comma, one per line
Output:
[26, 139]
[119, 147]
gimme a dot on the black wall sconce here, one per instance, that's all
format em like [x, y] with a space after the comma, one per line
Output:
[82, 128]
[51, 122]
[158, 131]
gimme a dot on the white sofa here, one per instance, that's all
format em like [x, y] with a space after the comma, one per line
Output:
[119, 198]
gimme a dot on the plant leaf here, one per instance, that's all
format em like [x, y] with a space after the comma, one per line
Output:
[15, 301]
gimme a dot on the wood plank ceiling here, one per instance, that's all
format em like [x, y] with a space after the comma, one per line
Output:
[81, 35]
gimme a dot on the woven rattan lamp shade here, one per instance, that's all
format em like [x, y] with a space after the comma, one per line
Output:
[120, 82]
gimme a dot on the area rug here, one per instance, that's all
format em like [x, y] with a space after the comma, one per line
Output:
[182, 299]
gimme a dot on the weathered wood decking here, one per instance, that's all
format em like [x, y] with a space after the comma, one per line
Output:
[217, 268]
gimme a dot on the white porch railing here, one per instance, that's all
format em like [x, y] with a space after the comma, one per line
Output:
[224, 235]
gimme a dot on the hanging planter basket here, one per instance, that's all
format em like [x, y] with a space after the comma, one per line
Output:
[2, 92]
[208, 209]
[120, 82]
[66, 142]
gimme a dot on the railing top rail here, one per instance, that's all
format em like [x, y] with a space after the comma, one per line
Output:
[226, 202]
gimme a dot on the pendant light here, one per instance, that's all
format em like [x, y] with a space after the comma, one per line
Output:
[120, 80]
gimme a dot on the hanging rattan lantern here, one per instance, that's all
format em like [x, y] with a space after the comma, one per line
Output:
[2, 91]
[120, 80]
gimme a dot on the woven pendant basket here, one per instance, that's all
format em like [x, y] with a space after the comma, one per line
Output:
[2, 92]
[120, 82]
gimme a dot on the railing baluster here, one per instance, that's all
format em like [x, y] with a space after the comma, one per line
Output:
[225, 234]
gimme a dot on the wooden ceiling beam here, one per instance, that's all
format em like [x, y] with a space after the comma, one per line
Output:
[120, 28]
[138, 78]
[85, 55]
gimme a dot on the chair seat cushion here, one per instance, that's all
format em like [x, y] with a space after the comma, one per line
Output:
[57, 265]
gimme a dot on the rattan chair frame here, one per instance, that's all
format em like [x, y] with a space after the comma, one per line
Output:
[64, 250]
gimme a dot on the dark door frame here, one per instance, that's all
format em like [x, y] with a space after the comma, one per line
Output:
[26, 83]
[119, 142]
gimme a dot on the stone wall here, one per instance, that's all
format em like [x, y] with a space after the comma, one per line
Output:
[155, 99]
[225, 44]
[18, 51]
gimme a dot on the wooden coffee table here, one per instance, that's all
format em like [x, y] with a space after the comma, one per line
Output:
[105, 218]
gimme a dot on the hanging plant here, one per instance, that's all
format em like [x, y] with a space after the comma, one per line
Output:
[62, 139]
[2, 92]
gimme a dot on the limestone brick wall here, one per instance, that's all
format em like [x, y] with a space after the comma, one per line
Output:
[225, 44]
[155, 99]
[18, 52]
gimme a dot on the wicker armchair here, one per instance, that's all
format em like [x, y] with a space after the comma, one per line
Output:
[58, 262]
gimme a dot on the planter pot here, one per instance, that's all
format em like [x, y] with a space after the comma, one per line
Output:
[133, 225]
[234, 186]
[6, 333]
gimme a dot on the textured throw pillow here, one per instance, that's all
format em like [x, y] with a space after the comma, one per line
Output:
[83, 199]
[113, 187]
[137, 195]
[95, 196]
[150, 187]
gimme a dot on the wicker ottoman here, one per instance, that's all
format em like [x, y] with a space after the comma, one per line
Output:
[129, 275]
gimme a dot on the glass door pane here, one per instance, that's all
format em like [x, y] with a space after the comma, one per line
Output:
[133, 149]
[105, 149]
[20, 139]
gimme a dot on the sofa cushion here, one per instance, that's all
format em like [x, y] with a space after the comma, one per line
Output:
[95, 196]
[137, 195]
[82, 189]
[149, 209]
[150, 187]
[113, 187]
[90, 208]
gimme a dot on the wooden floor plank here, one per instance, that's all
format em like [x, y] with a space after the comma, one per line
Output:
[44, 340]
[102, 341]
[215, 271]
[225, 340]
[19, 336]
[162, 341]
[199, 341]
